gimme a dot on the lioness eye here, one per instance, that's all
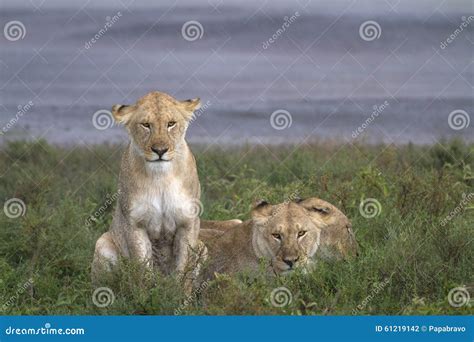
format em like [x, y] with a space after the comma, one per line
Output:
[146, 125]
[277, 236]
[171, 124]
[301, 233]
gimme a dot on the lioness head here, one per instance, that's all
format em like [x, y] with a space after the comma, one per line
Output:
[285, 234]
[337, 237]
[157, 124]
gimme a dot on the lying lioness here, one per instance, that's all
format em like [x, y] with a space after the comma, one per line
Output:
[156, 219]
[286, 235]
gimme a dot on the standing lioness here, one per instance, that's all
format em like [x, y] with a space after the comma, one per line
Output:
[156, 219]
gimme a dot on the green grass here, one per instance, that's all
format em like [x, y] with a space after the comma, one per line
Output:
[408, 263]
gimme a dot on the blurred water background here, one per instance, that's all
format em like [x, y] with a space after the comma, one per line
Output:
[318, 70]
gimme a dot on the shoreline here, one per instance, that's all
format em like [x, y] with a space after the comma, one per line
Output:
[255, 143]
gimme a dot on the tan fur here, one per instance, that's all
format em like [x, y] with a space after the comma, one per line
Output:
[220, 225]
[337, 237]
[271, 236]
[234, 247]
[153, 221]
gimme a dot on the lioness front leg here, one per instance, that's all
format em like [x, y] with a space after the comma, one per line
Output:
[140, 247]
[106, 256]
[184, 240]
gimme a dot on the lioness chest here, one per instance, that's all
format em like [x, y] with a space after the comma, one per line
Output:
[160, 207]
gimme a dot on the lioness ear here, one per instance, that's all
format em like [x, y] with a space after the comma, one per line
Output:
[191, 105]
[121, 113]
[261, 211]
[321, 209]
[314, 207]
[259, 203]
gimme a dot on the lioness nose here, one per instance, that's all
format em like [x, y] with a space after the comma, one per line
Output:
[159, 150]
[290, 261]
